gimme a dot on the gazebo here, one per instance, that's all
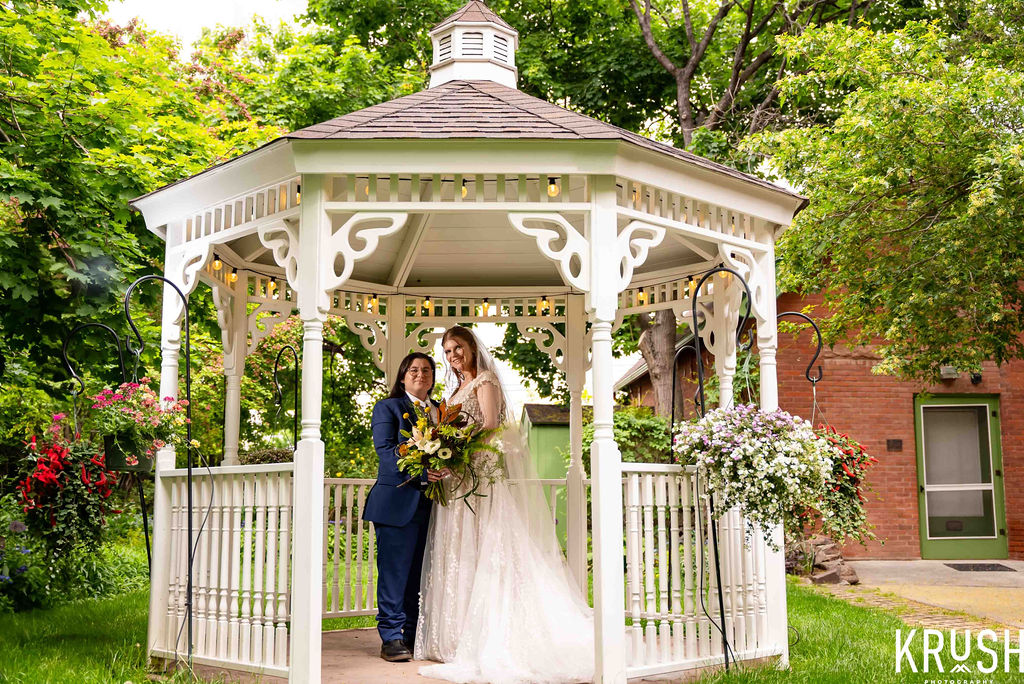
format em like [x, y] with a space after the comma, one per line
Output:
[467, 202]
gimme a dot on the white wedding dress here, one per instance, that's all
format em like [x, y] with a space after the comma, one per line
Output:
[498, 605]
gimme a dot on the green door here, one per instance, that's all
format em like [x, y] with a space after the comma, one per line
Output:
[960, 477]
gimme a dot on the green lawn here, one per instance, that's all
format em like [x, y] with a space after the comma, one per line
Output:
[102, 641]
[844, 644]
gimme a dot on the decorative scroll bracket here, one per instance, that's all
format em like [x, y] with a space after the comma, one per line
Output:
[634, 246]
[576, 246]
[339, 244]
[282, 239]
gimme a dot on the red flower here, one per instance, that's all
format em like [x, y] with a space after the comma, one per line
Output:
[85, 476]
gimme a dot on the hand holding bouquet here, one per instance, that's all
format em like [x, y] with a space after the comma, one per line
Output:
[449, 444]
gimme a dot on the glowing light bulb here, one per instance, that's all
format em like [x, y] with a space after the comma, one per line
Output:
[553, 188]
[641, 297]
[635, 195]
[272, 285]
[693, 287]
[487, 307]
[426, 303]
[465, 188]
[373, 302]
[217, 264]
[298, 194]
[233, 278]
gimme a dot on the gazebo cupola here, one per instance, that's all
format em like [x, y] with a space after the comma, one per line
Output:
[474, 44]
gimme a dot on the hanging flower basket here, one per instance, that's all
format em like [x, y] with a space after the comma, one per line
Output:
[124, 453]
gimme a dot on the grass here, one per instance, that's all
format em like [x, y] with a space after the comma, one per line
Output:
[103, 641]
[841, 643]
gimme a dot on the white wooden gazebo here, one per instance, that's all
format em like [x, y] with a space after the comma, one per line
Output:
[467, 202]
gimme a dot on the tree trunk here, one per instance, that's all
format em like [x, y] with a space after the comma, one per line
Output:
[658, 347]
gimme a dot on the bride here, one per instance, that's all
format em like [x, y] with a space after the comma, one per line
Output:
[498, 604]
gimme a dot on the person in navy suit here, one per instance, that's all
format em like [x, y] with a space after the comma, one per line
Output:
[400, 514]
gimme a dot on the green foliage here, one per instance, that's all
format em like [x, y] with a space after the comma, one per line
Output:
[90, 116]
[266, 456]
[583, 53]
[290, 78]
[917, 191]
[642, 436]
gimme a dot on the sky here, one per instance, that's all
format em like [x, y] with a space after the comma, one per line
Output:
[186, 20]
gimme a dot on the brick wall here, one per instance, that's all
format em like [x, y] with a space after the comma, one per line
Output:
[874, 409]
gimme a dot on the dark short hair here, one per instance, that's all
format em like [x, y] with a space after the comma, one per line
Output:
[398, 390]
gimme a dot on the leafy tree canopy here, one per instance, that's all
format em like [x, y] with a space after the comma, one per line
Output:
[90, 116]
[917, 188]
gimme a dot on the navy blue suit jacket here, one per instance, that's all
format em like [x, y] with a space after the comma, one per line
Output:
[387, 503]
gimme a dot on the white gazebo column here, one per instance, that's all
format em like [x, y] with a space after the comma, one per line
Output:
[234, 324]
[170, 347]
[576, 494]
[767, 345]
[605, 459]
[307, 551]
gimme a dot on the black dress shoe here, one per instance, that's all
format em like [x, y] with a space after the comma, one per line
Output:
[395, 651]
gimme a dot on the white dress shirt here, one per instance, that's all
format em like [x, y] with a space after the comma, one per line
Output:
[425, 404]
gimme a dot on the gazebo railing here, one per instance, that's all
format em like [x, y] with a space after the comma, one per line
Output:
[672, 612]
[241, 577]
[669, 569]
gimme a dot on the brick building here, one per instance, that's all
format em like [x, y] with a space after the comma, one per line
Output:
[967, 471]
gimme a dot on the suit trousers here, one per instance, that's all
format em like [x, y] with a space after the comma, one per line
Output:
[399, 563]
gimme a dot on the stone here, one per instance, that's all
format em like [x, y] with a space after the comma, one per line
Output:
[826, 577]
[848, 574]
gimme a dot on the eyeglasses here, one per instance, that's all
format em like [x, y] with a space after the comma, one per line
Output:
[417, 371]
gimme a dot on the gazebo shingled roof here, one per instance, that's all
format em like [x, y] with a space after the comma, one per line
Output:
[485, 109]
[474, 11]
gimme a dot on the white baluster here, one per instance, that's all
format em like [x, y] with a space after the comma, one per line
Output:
[665, 568]
[678, 650]
[650, 605]
[633, 556]
[348, 546]
[270, 569]
[283, 561]
[235, 546]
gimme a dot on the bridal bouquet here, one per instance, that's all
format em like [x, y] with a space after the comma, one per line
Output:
[450, 443]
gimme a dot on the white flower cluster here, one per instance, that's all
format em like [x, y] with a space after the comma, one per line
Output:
[765, 462]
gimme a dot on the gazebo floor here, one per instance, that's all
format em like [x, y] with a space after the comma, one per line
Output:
[352, 656]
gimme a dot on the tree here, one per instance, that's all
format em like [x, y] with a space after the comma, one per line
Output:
[289, 78]
[90, 116]
[917, 188]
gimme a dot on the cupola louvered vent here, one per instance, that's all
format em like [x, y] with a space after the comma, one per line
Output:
[472, 44]
[444, 48]
[501, 48]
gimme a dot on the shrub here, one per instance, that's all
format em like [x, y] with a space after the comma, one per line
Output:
[266, 456]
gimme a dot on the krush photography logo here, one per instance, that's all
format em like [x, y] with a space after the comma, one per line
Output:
[959, 651]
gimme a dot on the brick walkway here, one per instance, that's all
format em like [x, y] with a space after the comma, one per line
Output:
[913, 613]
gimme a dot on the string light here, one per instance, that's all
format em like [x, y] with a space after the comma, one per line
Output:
[553, 188]
[641, 297]
[233, 278]
[465, 188]
[544, 307]
[217, 264]
[693, 286]
[298, 194]
[487, 307]
[373, 303]
[426, 304]
[635, 195]
[272, 285]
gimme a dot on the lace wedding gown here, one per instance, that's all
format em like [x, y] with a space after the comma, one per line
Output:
[497, 603]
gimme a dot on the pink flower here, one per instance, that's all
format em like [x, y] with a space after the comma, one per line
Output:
[59, 417]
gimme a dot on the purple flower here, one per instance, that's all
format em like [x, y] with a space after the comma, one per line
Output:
[17, 526]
